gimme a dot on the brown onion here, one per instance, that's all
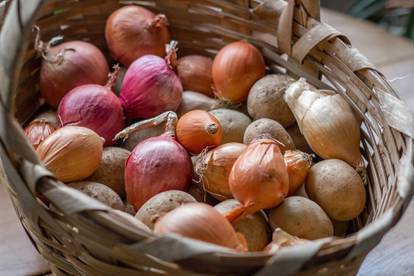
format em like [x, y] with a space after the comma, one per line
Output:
[236, 68]
[298, 165]
[37, 131]
[72, 153]
[259, 178]
[67, 66]
[197, 130]
[201, 222]
[132, 32]
[194, 72]
[214, 169]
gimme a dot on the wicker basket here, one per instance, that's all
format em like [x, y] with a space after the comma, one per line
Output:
[81, 236]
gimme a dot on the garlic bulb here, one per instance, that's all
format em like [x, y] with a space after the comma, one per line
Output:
[72, 153]
[327, 122]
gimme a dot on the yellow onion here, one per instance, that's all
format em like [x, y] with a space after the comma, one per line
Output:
[214, 169]
[327, 122]
[201, 222]
[197, 130]
[37, 131]
[259, 178]
[72, 153]
[236, 68]
[298, 164]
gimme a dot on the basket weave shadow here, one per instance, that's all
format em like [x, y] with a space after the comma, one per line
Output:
[81, 236]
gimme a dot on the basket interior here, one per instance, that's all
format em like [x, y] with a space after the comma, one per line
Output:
[203, 27]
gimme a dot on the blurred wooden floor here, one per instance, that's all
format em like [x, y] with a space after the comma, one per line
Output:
[395, 254]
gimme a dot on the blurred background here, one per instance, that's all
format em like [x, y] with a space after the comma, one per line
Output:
[397, 16]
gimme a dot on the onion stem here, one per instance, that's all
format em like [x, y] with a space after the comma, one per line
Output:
[169, 117]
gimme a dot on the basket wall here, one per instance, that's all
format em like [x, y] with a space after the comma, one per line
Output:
[81, 236]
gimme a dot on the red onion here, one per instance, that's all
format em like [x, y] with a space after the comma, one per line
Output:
[132, 32]
[67, 66]
[38, 130]
[150, 87]
[95, 107]
[156, 164]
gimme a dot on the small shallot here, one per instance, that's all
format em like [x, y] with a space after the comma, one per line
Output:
[37, 131]
[298, 165]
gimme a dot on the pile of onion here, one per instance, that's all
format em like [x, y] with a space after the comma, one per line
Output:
[259, 178]
[151, 86]
[156, 164]
[67, 66]
[201, 222]
[93, 106]
[236, 68]
[132, 32]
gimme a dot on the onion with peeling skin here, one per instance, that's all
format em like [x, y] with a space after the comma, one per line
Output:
[132, 32]
[37, 131]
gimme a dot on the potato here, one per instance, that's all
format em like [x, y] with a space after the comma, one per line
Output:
[138, 136]
[197, 191]
[337, 188]
[264, 127]
[265, 99]
[128, 219]
[301, 217]
[233, 123]
[99, 192]
[298, 139]
[111, 170]
[160, 204]
[253, 227]
[301, 192]
[193, 100]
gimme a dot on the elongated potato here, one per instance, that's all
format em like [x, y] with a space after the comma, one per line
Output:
[253, 227]
[233, 123]
[337, 188]
[265, 99]
[160, 204]
[301, 217]
[111, 170]
[193, 100]
[99, 192]
[263, 127]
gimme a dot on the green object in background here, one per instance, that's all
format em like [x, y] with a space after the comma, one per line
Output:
[396, 16]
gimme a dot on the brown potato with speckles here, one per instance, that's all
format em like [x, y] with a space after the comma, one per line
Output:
[160, 204]
[233, 123]
[301, 217]
[265, 99]
[111, 170]
[263, 127]
[253, 227]
[337, 188]
[99, 192]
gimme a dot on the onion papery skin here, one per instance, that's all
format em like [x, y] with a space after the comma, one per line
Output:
[201, 222]
[194, 72]
[37, 131]
[85, 64]
[129, 37]
[95, 107]
[156, 165]
[150, 87]
[236, 68]
[259, 178]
